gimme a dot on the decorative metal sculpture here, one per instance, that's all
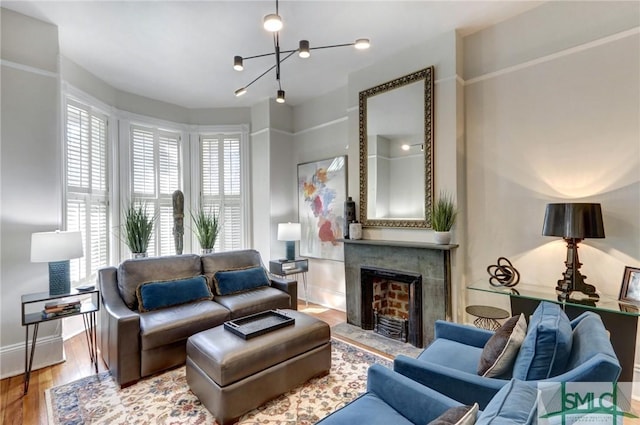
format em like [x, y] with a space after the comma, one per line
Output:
[503, 273]
[178, 220]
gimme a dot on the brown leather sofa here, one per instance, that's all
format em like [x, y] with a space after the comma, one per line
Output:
[135, 344]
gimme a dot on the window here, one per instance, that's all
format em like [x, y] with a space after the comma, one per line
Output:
[221, 186]
[86, 175]
[155, 175]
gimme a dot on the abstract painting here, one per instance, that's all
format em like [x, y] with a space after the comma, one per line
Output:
[322, 190]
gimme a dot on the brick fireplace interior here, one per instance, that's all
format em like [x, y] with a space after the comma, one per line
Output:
[392, 303]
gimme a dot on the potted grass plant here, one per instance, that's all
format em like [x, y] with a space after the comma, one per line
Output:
[443, 217]
[206, 227]
[138, 228]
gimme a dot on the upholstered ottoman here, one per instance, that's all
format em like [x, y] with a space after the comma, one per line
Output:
[231, 375]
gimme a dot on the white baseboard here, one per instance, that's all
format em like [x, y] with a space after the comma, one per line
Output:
[49, 351]
[635, 394]
[324, 297]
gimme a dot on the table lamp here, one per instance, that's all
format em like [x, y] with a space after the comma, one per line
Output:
[290, 232]
[573, 222]
[56, 248]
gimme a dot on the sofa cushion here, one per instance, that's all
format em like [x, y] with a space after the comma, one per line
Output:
[458, 415]
[163, 294]
[159, 328]
[250, 302]
[229, 260]
[439, 352]
[546, 349]
[516, 403]
[367, 409]
[500, 352]
[233, 281]
[131, 273]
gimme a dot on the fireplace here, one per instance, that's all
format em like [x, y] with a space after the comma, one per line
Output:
[431, 262]
[392, 303]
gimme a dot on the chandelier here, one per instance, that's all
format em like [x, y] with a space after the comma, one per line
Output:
[273, 24]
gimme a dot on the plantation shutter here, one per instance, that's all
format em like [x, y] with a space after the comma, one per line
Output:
[86, 173]
[221, 180]
[156, 171]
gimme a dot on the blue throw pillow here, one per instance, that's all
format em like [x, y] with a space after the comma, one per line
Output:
[233, 281]
[546, 349]
[516, 403]
[168, 293]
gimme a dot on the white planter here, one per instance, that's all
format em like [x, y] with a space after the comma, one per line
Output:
[355, 231]
[442, 238]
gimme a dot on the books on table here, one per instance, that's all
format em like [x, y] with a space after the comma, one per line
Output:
[60, 308]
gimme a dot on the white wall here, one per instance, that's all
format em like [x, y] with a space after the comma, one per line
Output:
[273, 177]
[30, 176]
[321, 131]
[31, 168]
[554, 120]
[533, 110]
[328, 126]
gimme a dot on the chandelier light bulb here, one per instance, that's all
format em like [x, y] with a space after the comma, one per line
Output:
[237, 63]
[280, 98]
[272, 22]
[362, 43]
[303, 50]
[240, 91]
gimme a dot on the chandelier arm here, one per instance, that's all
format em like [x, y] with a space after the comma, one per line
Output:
[270, 69]
[276, 43]
[295, 50]
[331, 46]
[260, 76]
[258, 56]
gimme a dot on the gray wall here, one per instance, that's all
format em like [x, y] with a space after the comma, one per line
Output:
[30, 175]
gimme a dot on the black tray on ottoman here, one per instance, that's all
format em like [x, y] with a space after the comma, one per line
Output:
[258, 324]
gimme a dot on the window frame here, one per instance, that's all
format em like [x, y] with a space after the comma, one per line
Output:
[196, 176]
[81, 100]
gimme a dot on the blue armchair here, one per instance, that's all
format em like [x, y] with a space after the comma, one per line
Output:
[391, 399]
[449, 364]
[395, 399]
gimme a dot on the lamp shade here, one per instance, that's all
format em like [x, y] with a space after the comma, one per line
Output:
[573, 221]
[289, 231]
[49, 247]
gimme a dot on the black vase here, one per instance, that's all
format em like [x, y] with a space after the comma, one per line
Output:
[349, 215]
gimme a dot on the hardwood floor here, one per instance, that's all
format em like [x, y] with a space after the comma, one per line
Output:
[31, 408]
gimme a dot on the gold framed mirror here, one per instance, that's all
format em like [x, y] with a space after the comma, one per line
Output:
[396, 152]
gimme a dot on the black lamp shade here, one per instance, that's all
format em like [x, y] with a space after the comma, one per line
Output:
[573, 221]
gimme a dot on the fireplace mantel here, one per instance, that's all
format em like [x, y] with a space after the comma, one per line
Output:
[431, 261]
[406, 244]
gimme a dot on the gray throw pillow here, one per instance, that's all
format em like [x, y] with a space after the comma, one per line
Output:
[459, 415]
[500, 352]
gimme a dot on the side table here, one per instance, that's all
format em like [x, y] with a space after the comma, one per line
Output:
[32, 307]
[286, 268]
[486, 316]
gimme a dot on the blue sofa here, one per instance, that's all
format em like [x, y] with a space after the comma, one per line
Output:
[393, 399]
[571, 351]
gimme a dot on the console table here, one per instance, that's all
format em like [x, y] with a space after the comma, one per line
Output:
[32, 306]
[620, 319]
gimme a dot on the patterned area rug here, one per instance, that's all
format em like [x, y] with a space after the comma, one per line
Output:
[166, 398]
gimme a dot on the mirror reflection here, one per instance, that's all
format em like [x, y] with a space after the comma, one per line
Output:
[396, 152]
